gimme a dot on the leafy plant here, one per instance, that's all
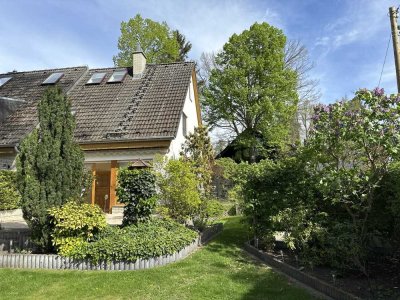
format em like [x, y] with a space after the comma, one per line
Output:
[143, 240]
[9, 196]
[178, 190]
[75, 225]
[136, 189]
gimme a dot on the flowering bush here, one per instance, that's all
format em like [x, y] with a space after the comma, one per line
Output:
[351, 147]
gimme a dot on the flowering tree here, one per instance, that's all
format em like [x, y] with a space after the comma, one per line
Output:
[352, 145]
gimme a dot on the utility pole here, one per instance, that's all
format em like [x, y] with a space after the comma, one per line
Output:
[393, 13]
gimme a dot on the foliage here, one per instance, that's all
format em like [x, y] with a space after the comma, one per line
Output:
[136, 189]
[209, 210]
[198, 150]
[250, 88]
[9, 196]
[158, 42]
[336, 197]
[354, 143]
[143, 240]
[178, 190]
[184, 46]
[49, 165]
[75, 225]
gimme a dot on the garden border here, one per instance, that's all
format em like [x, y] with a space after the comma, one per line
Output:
[56, 262]
[302, 277]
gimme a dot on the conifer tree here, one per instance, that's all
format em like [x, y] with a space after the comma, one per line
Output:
[198, 150]
[49, 165]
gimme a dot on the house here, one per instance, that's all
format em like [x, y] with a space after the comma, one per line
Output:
[122, 114]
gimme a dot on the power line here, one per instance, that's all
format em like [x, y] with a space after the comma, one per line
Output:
[384, 61]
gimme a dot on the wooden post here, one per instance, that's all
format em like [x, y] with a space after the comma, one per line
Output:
[93, 184]
[113, 184]
[395, 35]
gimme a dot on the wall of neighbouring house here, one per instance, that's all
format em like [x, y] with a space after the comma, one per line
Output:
[190, 111]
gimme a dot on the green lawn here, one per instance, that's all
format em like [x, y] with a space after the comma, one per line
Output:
[220, 270]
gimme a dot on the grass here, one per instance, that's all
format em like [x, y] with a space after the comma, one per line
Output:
[220, 270]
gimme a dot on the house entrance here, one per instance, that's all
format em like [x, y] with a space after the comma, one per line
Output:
[102, 192]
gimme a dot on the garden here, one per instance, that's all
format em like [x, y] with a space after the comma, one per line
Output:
[330, 207]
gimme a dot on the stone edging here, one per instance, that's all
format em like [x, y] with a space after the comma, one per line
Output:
[304, 278]
[11, 213]
[56, 262]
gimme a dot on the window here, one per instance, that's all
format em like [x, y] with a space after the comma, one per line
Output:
[96, 78]
[4, 80]
[117, 76]
[53, 78]
[184, 124]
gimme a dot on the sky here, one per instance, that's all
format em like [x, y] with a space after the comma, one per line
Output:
[346, 39]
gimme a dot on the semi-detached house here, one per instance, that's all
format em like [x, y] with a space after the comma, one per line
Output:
[122, 114]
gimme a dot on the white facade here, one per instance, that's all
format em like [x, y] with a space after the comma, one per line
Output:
[192, 121]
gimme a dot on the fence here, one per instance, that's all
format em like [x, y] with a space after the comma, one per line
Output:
[14, 239]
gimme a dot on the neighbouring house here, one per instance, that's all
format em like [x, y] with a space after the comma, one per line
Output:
[122, 114]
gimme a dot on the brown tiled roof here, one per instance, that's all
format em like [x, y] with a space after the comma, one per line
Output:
[136, 109]
[28, 86]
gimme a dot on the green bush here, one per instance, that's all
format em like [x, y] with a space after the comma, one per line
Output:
[179, 190]
[210, 209]
[136, 189]
[75, 225]
[143, 240]
[9, 196]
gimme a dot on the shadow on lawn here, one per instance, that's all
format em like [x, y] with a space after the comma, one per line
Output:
[265, 283]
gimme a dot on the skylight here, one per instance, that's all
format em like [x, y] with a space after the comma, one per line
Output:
[117, 76]
[4, 80]
[96, 78]
[53, 78]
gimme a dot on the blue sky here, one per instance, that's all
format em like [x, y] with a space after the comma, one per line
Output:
[346, 39]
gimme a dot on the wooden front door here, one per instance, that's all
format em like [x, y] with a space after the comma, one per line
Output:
[102, 192]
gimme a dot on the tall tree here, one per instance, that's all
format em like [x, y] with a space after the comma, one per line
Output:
[184, 45]
[297, 59]
[49, 165]
[157, 40]
[250, 88]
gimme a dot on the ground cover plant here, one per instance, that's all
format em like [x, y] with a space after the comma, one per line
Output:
[220, 270]
[152, 238]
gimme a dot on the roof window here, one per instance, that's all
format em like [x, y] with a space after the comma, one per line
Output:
[4, 80]
[53, 78]
[118, 76]
[96, 78]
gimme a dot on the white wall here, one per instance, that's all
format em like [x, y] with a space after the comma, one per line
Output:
[192, 121]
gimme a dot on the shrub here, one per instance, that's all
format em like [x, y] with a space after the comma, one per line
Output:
[153, 238]
[9, 196]
[210, 209]
[49, 165]
[75, 225]
[136, 189]
[178, 190]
